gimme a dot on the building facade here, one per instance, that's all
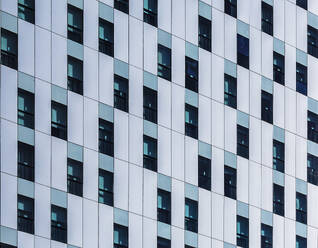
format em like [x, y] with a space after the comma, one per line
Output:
[159, 123]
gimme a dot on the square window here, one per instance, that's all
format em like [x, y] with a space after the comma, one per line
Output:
[25, 108]
[120, 236]
[279, 68]
[74, 177]
[312, 169]
[150, 105]
[243, 51]
[242, 231]
[58, 224]
[242, 141]
[26, 161]
[278, 199]
[191, 121]
[164, 62]
[230, 91]
[266, 236]
[267, 18]
[75, 75]
[312, 129]
[106, 185]
[230, 7]
[230, 182]
[301, 208]
[106, 137]
[279, 156]
[150, 153]
[121, 93]
[25, 214]
[205, 33]
[191, 77]
[312, 41]
[122, 5]
[204, 172]
[164, 206]
[59, 120]
[106, 37]
[301, 79]
[267, 107]
[191, 215]
[9, 49]
[150, 12]
[26, 10]
[74, 24]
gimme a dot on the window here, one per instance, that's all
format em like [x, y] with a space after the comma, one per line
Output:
[191, 121]
[9, 49]
[3, 245]
[242, 232]
[120, 236]
[302, 4]
[278, 156]
[26, 10]
[150, 105]
[191, 215]
[301, 242]
[25, 161]
[230, 7]
[301, 208]
[25, 108]
[230, 91]
[243, 51]
[205, 33]
[312, 38]
[163, 243]
[230, 182]
[242, 141]
[164, 62]
[106, 137]
[59, 120]
[301, 79]
[267, 18]
[75, 75]
[74, 177]
[267, 107]
[150, 153]
[106, 37]
[74, 24]
[58, 224]
[312, 130]
[121, 93]
[164, 206]
[122, 5]
[266, 236]
[191, 77]
[25, 214]
[150, 12]
[204, 172]
[312, 169]
[279, 68]
[278, 199]
[188, 246]
[105, 187]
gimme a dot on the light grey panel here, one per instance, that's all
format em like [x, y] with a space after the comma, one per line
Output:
[278, 178]
[76, 3]
[242, 119]
[243, 29]
[229, 68]
[121, 68]
[25, 188]
[242, 209]
[270, 2]
[279, 134]
[301, 186]
[301, 229]
[75, 151]
[205, 150]
[106, 162]
[120, 217]
[150, 81]
[191, 192]
[279, 46]
[312, 148]
[192, 51]
[267, 85]
[228, 245]
[312, 20]
[267, 218]
[106, 12]
[191, 98]
[59, 94]
[26, 82]
[230, 159]
[72, 246]
[106, 112]
[9, 22]
[164, 182]
[164, 38]
[312, 105]
[164, 230]
[75, 49]
[191, 238]
[301, 57]
[150, 129]
[205, 10]
[8, 236]
[26, 135]
[59, 198]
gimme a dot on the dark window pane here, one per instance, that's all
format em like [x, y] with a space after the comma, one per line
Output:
[191, 121]
[121, 93]
[59, 120]
[105, 186]
[150, 153]
[243, 51]
[301, 79]
[278, 156]
[26, 10]
[191, 215]
[205, 33]
[106, 37]
[75, 75]
[25, 161]
[25, 108]
[278, 199]
[150, 12]
[58, 224]
[312, 130]
[163, 243]
[267, 107]
[9, 49]
[191, 74]
[106, 137]
[3, 245]
[230, 7]
[164, 62]
[120, 236]
[312, 169]
[74, 177]
[242, 141]
[312, 39]
[74, 24]
[230, 182]
[230, 91]
[25, 214]
[266, 236]
[302, 4]
[122, 5]
[301, 208]
[150, 105]
[242, 232]
[267, 18]
[164, 206]
[301, 242]
[279, 68]
[204, 172]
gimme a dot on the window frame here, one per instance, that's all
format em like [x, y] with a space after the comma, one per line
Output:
[312, 41]
[106, 137]
[230, 189]
[242, 137]
[267, 101]
[26, 116]
[302, 4]
[164, 70]
[302, 240]
[242, 239]
[205, 33]
[59, 130]
[75, 182]
[279, 159]
[266, 240]
[25, 217]
[163, 243]
[278, 200]
[106, 44]
[9, 58]
[230, 91]
[191, 79]
[312, 126]
[268, 20]
[164, 214]
[120, 228]
[58, 227]
[312, 169]
[204, 181]
[301, 208]
[191, 128]
[75, 33]
[150, 109]
[121, 95]
[26, 171]
[244, 43]
[105, 196]
[74, 84]
[122, 5]
[191, 222]
[230, 8]
[150, 161]
[279, 68]
[301, 78]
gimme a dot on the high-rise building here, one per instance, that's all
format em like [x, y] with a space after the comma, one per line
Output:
[159, 123]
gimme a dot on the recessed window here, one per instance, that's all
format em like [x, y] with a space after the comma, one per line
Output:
[106, 137]
[301, 79]
[75, 75]
[312, 169]
[205, 33]
[242, 231]
[59, 120]
[25, 161]
[3, 245]
[191, 121]
[301, 208]
[164, 62]
[150, 153]
[150, 104]
[230, 7]
[230, 91]
[106, 37]
[242, 141]
[278, 199]
[25, 108]
[301, 242]
[204, 172]
[105, 187]
[150, 12]
[267, 18]
[279, 68]
[163, 243]
[312, 39]
[58, 224]
[26, 10]
[312, 129]
[9, 49]
[164, 206]
[120, 236]
[230, 182]
[74, 177]
[25, 214]
[191, 215]
[191, 77]
[302, 4]
[266, 236]
[243, 51]
[122, 5]
[278, 156]
[74, 24]
[267, 107]
[121, 93]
